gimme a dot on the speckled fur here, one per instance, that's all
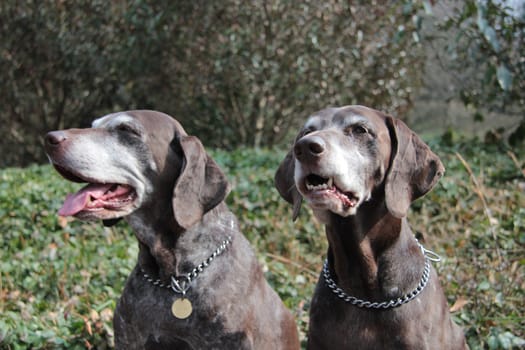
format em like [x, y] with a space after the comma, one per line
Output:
[179, 218]
[372, 252]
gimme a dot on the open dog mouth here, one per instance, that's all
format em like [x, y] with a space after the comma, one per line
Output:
[319, 185]
[94, 196]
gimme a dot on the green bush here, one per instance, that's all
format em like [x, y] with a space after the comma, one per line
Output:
[60, 280]
[482, 43]
[233, 72]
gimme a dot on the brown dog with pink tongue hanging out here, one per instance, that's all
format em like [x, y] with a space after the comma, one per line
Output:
[197, 283]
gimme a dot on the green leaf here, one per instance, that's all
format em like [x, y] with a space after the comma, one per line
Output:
[508, 340]
[484, 285]
[492, 342]
[491, 37]
[428, 7]
[407, 8]
[504, 77]
[482, 21]
[488, 32]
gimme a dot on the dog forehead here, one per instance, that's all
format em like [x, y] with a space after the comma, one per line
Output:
[357, 114]
[343, 116]
[111, 120]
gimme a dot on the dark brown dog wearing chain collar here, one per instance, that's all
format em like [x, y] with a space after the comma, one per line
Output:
[197, 283]
[359, 170]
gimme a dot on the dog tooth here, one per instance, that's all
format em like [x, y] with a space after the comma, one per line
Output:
[311, 187]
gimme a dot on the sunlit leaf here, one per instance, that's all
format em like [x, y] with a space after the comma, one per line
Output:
[428, 7]
[491, 37]
[504, 77]
[484, 285]
[507, 340]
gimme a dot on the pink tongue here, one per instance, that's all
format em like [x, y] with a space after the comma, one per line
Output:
[78, 201]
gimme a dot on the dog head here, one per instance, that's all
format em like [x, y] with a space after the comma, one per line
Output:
[343, 156]
[132, 161]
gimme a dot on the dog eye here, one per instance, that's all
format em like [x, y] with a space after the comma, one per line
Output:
[358, 129]
[128, 129]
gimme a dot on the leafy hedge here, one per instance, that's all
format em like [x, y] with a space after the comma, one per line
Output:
[60, 279]
[234, 72]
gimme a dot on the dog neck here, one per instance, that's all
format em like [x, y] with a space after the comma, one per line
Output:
[373, 254]
[166, 249]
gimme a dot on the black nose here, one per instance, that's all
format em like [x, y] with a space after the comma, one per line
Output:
[309, 147]
[54, 138]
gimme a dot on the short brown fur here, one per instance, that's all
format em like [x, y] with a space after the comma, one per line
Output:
[179, 220]
[372, 252]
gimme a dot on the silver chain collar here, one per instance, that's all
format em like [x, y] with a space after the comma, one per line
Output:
[181, 284]
[429, 256]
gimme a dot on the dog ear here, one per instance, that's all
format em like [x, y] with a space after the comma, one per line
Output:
[414, 168]
[285, 184]
[201, 184]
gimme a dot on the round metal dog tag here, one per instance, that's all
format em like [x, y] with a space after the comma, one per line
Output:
[181, 308]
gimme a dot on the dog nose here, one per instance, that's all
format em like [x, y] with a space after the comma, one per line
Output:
[54, 138]
[309, 147]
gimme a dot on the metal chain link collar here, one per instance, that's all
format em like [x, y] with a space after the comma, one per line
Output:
[429, 256]
[181, 284]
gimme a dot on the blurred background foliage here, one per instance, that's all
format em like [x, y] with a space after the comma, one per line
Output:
[477, 52]
[489, 37]
[246, 72]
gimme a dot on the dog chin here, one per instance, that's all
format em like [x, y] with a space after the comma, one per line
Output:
[322, 208]
[325, 215]
[102, 214]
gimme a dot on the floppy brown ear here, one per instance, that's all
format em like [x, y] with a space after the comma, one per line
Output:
[414, 168]
[285, 184]
[201, 184]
